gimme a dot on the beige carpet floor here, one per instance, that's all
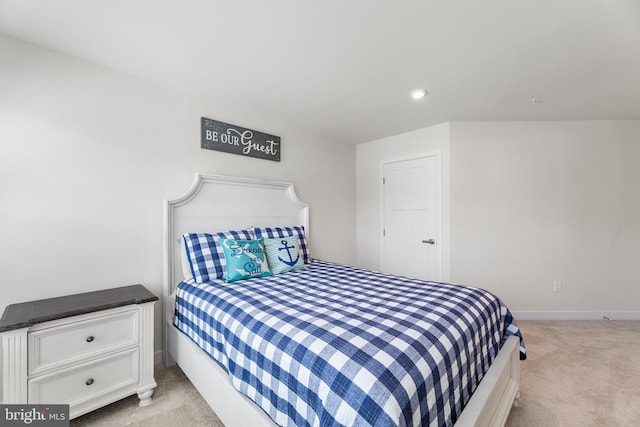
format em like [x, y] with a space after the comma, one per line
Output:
[578, 373]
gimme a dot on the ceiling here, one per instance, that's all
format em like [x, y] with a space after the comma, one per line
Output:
[346, 67]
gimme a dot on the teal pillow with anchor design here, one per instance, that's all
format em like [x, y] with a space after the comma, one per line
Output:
[283, 254]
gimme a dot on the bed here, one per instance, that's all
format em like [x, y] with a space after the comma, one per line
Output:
[300, 354]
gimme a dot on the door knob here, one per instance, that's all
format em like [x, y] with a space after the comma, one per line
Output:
[430, 242]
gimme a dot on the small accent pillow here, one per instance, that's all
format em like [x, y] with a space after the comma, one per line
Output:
[277, 232]
[245, 259]
[283, 254]
[206, 256]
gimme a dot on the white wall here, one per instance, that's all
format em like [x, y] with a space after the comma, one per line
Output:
[526, 204]
[369, 158]
[542, 201]
[87, 155]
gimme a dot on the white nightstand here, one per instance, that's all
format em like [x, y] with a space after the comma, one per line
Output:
[86, 350]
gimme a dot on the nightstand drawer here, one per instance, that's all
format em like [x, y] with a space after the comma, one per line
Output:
[86, 350]
[115, 374]
[58, 346]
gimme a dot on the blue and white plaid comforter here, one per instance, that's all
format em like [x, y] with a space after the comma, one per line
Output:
[336, 345]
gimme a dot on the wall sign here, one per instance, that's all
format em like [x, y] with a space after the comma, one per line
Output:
[233, 139]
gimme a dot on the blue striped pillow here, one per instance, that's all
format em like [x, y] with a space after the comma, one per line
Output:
[283, 254]
[206, 256]
[276, 232]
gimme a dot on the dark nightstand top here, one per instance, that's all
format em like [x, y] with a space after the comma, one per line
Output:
[26, 314]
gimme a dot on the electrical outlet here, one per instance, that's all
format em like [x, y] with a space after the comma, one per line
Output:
[557, 286]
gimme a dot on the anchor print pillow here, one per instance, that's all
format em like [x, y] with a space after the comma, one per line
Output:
[276, 232]
[245, 259]
[283, 254]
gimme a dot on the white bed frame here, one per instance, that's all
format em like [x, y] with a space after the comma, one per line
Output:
[218, 203]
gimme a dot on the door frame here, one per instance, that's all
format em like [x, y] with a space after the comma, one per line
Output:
[439, 234]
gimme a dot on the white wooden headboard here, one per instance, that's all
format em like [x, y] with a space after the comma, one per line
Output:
[220, 203]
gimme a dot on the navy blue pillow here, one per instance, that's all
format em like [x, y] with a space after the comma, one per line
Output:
[205, 255]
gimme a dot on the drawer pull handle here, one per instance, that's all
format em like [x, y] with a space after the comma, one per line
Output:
[90, 338]
[89, 381]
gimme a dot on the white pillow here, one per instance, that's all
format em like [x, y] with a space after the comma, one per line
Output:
[184, 261]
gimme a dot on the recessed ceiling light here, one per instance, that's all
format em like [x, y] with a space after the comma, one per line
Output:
[418, 93]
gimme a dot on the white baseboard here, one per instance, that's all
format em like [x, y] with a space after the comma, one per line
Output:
[576, 315]
[157, 357]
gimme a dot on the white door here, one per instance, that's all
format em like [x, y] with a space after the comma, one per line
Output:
[410, 243]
